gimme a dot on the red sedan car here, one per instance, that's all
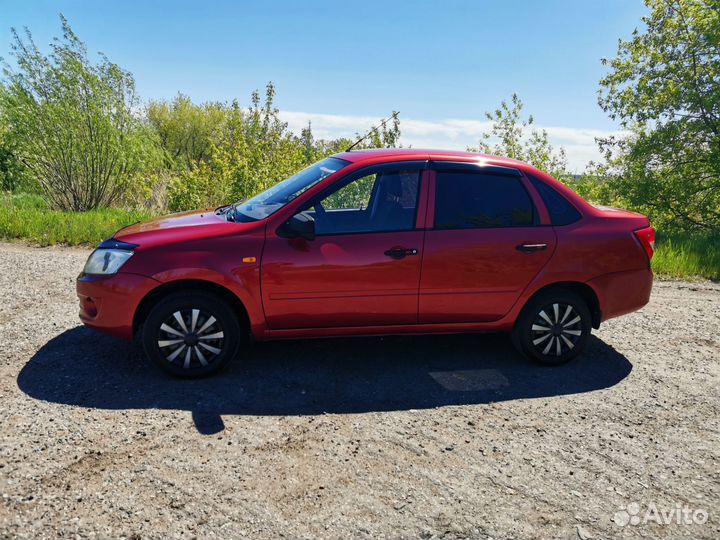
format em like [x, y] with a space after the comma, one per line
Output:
[374, 242]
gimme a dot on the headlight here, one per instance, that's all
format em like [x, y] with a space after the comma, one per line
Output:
[106, 261]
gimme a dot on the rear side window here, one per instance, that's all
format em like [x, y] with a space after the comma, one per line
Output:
[465, 200]
[561, 211]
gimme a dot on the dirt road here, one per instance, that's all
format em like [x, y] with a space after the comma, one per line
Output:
[452, 436]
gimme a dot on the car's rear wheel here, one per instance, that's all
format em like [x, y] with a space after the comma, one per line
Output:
[191, 334]
[554, 327]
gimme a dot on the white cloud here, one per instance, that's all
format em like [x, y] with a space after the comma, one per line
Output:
[450, 134]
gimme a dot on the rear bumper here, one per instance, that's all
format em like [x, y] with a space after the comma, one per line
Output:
[108, 303]
[622, 292]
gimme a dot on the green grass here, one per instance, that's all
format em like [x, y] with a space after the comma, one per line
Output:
[687, 255]
[27, 217]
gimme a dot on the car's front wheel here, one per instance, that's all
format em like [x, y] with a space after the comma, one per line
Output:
[191, 334]
[554, 327]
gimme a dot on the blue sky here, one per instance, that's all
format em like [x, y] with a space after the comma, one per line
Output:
[341, 65]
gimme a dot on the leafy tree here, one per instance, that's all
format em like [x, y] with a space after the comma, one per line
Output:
[76, 126]
[664, 87]
[186, 131]
[386, 135]
[74, 122]
[515, 137]
[273, 153]
[308, 141]
[12, 173]
[253, 150]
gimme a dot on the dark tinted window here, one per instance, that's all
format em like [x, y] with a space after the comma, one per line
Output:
[471, 200]
[561, 211]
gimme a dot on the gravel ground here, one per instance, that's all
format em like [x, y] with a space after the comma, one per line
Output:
[446, 436]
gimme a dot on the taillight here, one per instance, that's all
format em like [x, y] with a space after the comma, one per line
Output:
[647, 240]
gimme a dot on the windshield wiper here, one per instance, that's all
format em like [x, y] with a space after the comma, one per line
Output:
[230, 213]
[227, 210]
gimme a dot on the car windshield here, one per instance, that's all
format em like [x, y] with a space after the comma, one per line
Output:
[271, 200]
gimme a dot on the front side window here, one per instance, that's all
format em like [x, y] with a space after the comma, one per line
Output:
[468, 200]
[271, 200]
[375, 202]
[355, 195]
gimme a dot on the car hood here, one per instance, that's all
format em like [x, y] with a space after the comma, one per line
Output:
[192, 218]
[181, 228]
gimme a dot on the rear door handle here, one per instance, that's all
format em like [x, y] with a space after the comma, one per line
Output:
[531, 248]
[400, 252]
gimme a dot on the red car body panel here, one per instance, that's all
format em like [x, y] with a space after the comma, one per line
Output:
[465, 269]
[342, 280]
[464, 280]
[109, 303]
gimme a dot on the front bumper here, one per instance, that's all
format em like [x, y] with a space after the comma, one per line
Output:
[109, 303]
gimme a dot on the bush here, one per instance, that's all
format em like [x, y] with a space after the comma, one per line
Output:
[29, 218]
[73, 122]
[148, 192]
[199, 187]
[687, 255]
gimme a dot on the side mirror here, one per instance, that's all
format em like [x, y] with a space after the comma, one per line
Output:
[298, 226]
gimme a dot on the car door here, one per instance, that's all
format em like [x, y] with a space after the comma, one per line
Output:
[484, 244]
[363, 267]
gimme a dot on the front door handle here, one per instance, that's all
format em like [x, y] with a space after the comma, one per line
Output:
[531, 248]
[400, 252]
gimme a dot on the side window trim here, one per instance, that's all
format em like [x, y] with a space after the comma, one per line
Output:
[474, 167]
[540, 207]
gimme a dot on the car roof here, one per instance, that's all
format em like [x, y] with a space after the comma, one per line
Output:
[383, 155]
[389, 154]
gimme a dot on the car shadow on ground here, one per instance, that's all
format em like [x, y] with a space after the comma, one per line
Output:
[352, 375]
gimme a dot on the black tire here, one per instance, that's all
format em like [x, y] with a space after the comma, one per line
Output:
[556, 320]
[191, 334]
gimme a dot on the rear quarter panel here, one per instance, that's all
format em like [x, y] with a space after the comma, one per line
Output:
[605, 254]
[593, 247]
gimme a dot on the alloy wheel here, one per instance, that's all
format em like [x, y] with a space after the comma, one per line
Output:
[190, 338]
[556, 329]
